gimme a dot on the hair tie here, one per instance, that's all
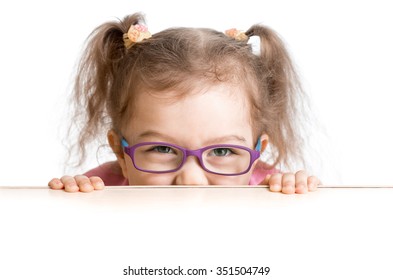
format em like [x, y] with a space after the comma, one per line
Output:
[236, 34]
[137, 33]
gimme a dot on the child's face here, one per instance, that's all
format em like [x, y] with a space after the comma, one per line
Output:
[219, 115]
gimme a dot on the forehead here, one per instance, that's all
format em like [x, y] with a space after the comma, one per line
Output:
[206, 114]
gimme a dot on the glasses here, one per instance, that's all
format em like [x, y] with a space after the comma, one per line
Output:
[161, 157]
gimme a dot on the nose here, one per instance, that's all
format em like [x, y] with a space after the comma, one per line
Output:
[191, 173]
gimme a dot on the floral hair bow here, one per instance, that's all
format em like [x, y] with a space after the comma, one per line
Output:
[236, 34]
[137, 33]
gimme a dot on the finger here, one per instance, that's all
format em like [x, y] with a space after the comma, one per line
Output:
[275, 182]
[69, 184]
[56, 184]
[97, 182]
[84, 183]
[288, 183]
[313, 183]
[301, 184]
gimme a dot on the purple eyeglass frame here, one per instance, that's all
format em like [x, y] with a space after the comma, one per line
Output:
[254, 155]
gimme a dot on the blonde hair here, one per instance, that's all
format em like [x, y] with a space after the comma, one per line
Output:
[110, 77]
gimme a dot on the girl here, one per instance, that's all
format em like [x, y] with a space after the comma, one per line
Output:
[188, 106]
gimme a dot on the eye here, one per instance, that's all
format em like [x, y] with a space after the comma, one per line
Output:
[163, 149]
[221, 152]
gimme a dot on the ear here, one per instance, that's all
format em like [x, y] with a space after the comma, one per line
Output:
[115, 143]
[264, 141]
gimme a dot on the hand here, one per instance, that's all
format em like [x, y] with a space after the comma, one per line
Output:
[290, 183]
[78, 183]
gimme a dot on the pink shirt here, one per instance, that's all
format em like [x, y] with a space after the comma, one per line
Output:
[111, 174]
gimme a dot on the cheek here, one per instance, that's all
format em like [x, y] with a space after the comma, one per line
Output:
[136, 177]
[240, 180]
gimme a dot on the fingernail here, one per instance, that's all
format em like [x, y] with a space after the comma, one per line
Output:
[288, 189]
[57, 183]
[87, 186]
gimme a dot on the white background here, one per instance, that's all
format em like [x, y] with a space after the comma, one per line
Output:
[342, 49]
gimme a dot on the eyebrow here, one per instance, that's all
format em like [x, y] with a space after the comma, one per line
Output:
[216, 140]
[152, 133]
[226, 138]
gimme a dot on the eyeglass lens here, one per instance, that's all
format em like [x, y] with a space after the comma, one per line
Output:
[224, 160]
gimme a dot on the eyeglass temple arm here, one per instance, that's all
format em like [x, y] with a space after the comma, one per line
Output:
[258, 146]
[124, 142]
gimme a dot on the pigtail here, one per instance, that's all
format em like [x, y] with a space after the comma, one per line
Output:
[282, 103]
[98, 68]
